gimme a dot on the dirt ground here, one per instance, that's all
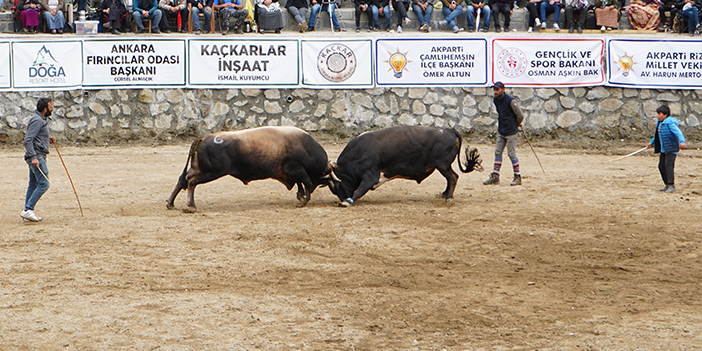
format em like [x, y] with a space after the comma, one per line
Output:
[588, 256]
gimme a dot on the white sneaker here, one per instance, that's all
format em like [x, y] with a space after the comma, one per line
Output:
[543, 25]
[537, 22]
[603, 29]
[30, 216]
[399, 29]
[556, 27]
[407, 21]
[443, 23]
[530, 30]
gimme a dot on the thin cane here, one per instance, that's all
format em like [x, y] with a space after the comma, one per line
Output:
[47, 178]
[532, 150]
[69, 178]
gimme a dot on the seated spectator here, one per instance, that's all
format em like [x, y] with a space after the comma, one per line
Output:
[533, 6]
[473, 6]
[550, 6]
[382, 8]
[53, 15]
[452, 9]
[573, 7]
[229, 9]
[298, 10]
[361, 7]
[111, 12]
[401, 7]
[643, 14]
[28, 11]
[607, 14]
[146, 9]
[691, 13]
[668, 5]
[423, 9]
[505, 8]
[326, 6]
[171, 9]
[268, 15]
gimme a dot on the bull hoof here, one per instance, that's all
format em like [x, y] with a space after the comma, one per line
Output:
[190, 209]
[344, 204]
[450, 202]
[170, 206]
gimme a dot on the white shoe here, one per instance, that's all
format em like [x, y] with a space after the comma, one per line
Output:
[543, 25]
[530, 30]
[30, 216]
[399, 29]
[443, 23]
[603, 29]
[407, 21]
[556, 27]
[537, 22]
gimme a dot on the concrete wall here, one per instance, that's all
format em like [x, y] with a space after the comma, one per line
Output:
[101, 116]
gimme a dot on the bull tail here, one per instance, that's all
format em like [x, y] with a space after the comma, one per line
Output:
[473, 161]
[182, 181]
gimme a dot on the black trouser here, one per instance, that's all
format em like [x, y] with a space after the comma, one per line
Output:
[168, 14]
[504, 9]
[666, 165]
[534, 11]
[673, 11]
[401, 8]
[581, 20]
[368, 11]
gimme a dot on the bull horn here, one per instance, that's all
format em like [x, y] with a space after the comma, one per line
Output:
[334, 176]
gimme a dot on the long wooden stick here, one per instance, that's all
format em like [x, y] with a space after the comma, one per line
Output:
[532, 150]
[631, 154]
[69, 178]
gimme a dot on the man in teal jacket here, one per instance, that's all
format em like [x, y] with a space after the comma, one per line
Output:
[146, 9]
[667, 141]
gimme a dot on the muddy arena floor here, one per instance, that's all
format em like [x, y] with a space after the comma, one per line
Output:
[587, 256]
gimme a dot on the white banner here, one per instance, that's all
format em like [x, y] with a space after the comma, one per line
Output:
[5, 82]
[431, 62]
[134, 62]
[548, 62]
[241, 62]
[337, 63]
[641, 63]
[47, 65]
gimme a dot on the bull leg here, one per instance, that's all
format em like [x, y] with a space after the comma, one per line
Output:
[174, 194]
[368, 182]
[191, 197]
[451, 181]
[304, 184]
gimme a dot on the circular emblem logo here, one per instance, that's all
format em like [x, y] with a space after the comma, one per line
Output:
[336, 62]
[511, 62]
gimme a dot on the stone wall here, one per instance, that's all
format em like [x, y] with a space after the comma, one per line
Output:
[100, 116]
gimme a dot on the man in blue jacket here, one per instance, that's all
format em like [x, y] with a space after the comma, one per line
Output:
[146, 9]
[667, 141]
[509, 119]
[36, 145]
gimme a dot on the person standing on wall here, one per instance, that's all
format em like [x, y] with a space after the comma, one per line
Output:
[667, 141]
[510, 118]
[36, 144]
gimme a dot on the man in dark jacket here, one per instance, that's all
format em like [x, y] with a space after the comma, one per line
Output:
[509, 119]
[361, 7]
[36, 145]
[504, 7]
[146, 9]
[111, 11]
[668, 6]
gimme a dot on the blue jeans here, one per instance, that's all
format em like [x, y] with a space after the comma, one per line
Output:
[54, 22]
[426, 17]
[548, 8]
[196, 19]
[315, 10]
[154, 17]
[692, 16]
[38, 184]
[386, 13]
[452, 15]
[484, 12]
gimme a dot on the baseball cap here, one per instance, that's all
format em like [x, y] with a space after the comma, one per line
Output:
[498, 85]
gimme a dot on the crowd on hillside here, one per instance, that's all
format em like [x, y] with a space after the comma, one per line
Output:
[118, 16]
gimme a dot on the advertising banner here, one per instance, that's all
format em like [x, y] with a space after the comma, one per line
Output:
[337, 63]
[47, 65]
[134, 62]
[243, 62]
[431, 62]
[5, 82]
[548, 62]
[641, 63]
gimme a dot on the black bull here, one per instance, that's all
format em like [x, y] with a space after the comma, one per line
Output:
[399, 152]
[286, 154]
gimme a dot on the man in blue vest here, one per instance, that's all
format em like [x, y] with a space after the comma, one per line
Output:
[509, 119]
